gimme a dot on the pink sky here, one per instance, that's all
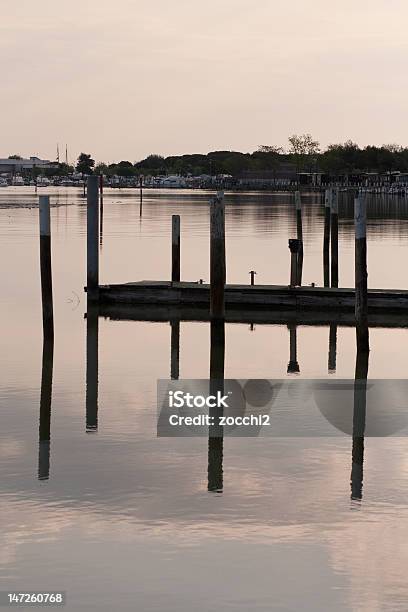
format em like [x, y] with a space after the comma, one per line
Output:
[127, 78]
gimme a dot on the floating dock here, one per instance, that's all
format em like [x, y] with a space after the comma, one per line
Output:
[251, 297]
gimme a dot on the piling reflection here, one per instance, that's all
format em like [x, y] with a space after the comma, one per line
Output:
[293, 365]
[332, 348]
[92, 356]
[175, 350]
[45, 409]
[217, 376]
[359, 422]
[215, 437]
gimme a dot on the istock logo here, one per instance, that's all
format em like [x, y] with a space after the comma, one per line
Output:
[180, 399]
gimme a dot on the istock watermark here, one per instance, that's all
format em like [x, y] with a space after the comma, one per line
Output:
[285, 408]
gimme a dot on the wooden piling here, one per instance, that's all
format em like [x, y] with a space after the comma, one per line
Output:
[299, 228]
[175, 248]
[92, 238]
[45, 409]
[252, 274]
[361, 307]
[294, 251]
[217, 257]
[46, 267]
[141, 195]
[101, 210]
[334, 227]
[326, 239]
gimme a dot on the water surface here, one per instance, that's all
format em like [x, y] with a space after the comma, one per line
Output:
[125, 520]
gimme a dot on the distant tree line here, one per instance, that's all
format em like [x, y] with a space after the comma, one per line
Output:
[303, 152]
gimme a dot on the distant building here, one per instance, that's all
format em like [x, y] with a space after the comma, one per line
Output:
[16, 166]
[284, 174]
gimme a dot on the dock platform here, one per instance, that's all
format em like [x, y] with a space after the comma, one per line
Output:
[251, 297]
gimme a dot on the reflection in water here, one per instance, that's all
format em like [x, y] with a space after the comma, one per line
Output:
[45, 409]
[280, 517]
[332, 348]
[216, 432]
[293, 366]
[92, 342]
[175, 350]
[359, 420]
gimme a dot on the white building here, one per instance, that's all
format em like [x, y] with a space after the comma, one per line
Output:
[15, 166]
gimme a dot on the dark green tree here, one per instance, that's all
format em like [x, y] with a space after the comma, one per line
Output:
[85, 164]
[125, 168]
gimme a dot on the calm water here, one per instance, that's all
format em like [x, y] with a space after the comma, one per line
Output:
[125, 520]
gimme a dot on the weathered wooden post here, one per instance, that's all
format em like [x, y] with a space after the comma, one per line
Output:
[293, 365]
[45, 409]
[216, 431]
[46, 267]
[175, 248]
[92, 366]
[217, 257]
[175, 350]
[101, 210]
[334, 226]
[299, 227]
[326, 239]
[294, 250]
[361, 305]
[252, 274]
[141, 195]
[92, 238]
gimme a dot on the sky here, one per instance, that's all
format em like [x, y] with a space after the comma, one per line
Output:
[124, 79]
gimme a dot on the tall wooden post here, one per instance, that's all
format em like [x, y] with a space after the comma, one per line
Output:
[299, 228]
[101, 210]
[361, 306]
[334, 224]
[175, 248]
[294, 251]
[326, 239]
[46, 267]
[141, 195]
[45, 409]
[217, 257]
[93, 238]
